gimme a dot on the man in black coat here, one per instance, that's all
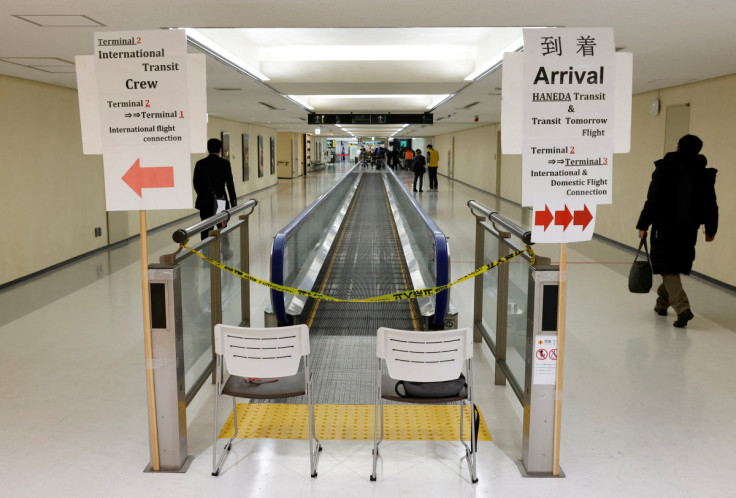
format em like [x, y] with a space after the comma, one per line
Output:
[681, 197]
[211, 175]
[419, 169]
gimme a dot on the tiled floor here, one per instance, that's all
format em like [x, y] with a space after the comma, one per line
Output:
[647, 408]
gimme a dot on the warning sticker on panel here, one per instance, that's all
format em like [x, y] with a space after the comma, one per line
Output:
[545, 360]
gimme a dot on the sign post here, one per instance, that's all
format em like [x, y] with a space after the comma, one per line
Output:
[567, 140]
[142, 101]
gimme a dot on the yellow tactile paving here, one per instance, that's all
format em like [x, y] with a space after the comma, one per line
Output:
[352, 422]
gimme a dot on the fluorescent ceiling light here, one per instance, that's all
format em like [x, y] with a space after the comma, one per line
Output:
[302, 100]
[496, 61]
[198, 39]
[438, 100]
[385, 96]
[366, 53]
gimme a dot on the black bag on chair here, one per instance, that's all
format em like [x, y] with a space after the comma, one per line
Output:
[442, 389]
[640, 275]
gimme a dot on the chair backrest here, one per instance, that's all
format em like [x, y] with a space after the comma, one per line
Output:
[424, 356]
[267, 352]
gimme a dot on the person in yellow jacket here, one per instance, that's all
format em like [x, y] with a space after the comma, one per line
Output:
[433, 161]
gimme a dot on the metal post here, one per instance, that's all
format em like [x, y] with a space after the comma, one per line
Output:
[502, 309]
[215, 291]
[245, 266]
[541, 374]
[168, 376]
[479, 261]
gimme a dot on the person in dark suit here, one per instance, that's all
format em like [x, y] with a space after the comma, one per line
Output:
[211, 175]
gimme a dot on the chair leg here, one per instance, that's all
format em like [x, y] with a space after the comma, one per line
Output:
[379, 410]
[314, 445]
[462, 424]
[217, 464]
[473, 452]
[235, 418]
[215, 432]
[474, 449]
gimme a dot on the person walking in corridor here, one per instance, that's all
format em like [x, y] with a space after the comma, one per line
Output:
[211, 176]
[418, 165]
[681, 197]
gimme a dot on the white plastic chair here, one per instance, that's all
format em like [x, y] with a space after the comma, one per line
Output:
[425, 357]
[264, 354]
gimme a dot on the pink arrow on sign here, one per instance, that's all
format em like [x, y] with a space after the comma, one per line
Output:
[139, 178]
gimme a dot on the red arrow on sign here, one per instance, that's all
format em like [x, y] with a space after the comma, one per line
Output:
[139, 178]
[543, 217]
[563, 218]
[583, 217]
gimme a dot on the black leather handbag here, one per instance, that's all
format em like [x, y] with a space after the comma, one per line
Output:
[640, 275]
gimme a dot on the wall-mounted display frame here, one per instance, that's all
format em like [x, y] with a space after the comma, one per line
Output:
[273, 155]
[246, 153]
[260, 156]
[225, 137]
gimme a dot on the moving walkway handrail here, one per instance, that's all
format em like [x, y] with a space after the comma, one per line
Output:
[279, 247]
[184, 234]
[523, 234]
[442, 256]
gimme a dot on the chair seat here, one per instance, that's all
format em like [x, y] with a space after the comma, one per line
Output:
[388, 391]
[285, 387]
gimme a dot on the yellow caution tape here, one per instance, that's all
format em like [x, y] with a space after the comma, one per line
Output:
[396, 296]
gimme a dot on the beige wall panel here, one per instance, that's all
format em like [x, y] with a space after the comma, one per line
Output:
[475, 151]
[443, 145]
[511, 177]
[284, 154]
[53, 195]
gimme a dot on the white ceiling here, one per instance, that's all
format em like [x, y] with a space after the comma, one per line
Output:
[435, 44]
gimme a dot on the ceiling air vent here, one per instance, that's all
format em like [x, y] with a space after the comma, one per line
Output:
[270, 106]
[471, 105]
[229, 89]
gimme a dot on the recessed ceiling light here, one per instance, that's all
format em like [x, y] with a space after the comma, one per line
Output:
[60, 21]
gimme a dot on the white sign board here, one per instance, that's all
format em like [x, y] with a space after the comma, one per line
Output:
[146, 116]
[142, 87]
[568, 112]
[512, 102]
[89, 107]
[544, 364]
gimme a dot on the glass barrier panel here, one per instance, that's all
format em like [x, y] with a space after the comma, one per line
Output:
[421, 238]
[196, 316]
[232, 312]
[516, 317]
[490, 286]
[305, 240]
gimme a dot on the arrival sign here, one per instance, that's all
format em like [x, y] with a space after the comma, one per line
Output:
[568, 111]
